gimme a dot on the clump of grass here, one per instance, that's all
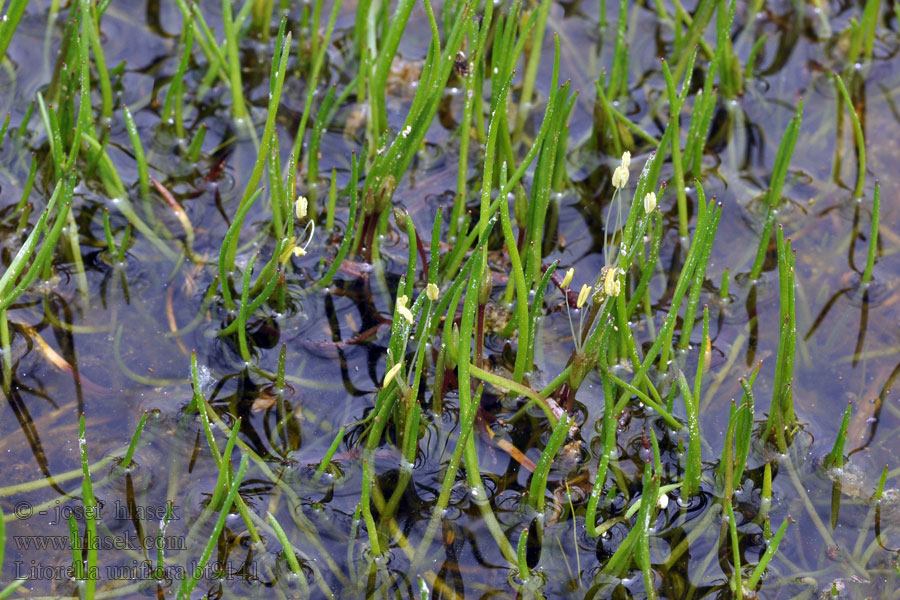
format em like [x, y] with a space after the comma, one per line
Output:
[782, 418]
[621, 359]
[773, 195]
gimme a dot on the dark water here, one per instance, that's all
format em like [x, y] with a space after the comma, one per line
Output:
[848, 346]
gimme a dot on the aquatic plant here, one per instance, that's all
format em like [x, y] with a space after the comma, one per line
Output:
[285, 195]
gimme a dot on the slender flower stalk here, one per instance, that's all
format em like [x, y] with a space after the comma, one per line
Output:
[619, 181]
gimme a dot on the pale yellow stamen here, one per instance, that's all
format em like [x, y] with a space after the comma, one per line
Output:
[392, 372]
[611, 285]
[583, 295]
[649, 202]
[301, 206]
[402, 310]
[288, 249]
[620, 177]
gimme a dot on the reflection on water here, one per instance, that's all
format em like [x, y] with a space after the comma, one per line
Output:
[112, 354]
